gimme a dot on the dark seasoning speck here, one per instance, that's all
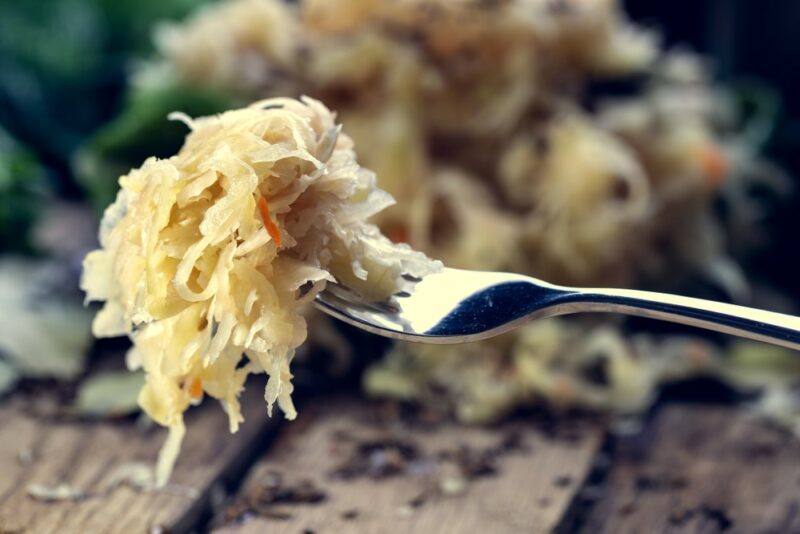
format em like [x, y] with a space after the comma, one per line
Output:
[388, 443]
[703, 513]
[350, 515]
[563, 481]
[443, 473]
[272, 496]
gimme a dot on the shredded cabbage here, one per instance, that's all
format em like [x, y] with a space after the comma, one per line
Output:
[253, 42]
[485, 121]
[208, 257]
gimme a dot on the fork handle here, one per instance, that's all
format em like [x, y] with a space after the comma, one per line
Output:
[771, 327]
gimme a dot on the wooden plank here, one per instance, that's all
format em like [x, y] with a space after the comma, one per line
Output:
[704, 469]
[414, 479]
[84, 455]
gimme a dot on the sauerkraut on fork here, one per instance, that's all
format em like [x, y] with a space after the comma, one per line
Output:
[208, 257]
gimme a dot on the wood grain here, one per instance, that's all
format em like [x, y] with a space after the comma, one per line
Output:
[530, 492]
[84, 454]
[704, 469]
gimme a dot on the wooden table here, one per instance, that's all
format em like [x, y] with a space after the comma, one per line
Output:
[351, 466]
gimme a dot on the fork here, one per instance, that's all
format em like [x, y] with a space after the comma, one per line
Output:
[458, 306]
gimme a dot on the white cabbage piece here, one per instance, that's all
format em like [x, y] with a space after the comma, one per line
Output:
[58, 492]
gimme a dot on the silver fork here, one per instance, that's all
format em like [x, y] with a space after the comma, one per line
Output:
[457, 306]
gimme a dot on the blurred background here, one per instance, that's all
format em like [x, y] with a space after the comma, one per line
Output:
[85, 87]
[748, 40]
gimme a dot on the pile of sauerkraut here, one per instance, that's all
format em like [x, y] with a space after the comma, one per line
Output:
[490, 95]
[553, 138]
[208, 257]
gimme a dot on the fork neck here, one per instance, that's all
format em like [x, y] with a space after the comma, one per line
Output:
[770, 327]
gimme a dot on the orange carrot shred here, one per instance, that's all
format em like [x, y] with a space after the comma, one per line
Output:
[196, 388]
[714, 164]
[272, 228]
[398, 234]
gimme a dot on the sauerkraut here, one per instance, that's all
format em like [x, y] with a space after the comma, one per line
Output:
[559, 362]
[256, 44]
[208, 257]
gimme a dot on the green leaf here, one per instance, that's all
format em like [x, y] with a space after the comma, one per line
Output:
[63, 64]
[140, 131]
[23, 188]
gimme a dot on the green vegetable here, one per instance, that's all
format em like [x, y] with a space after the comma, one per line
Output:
[63, 64]
[131, 21]
[759, 107]
[23, 187]
[141, 131]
